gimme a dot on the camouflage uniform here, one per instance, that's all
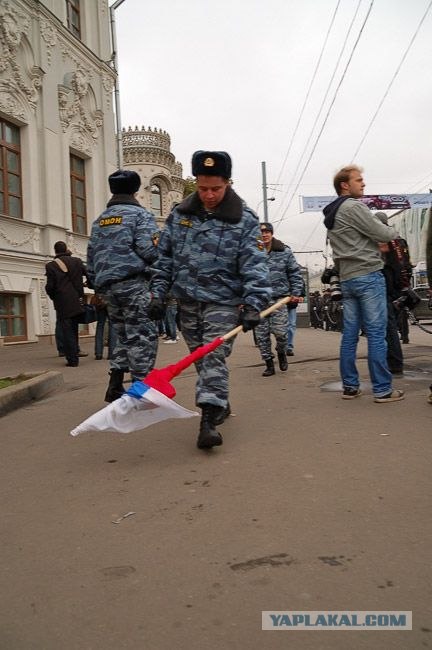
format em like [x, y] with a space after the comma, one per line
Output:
[212, 263]
[201, 323]
[286, 279]
[119, 255]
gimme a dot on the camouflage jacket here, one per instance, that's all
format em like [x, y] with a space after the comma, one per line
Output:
[120, 244]
[215, 257]
[285, 274]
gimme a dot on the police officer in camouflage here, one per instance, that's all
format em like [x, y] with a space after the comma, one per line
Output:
[286, 280]
[120, 253]
[212, 260]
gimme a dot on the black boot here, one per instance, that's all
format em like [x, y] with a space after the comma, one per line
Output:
[270, 370]
[208, 436]
[283, 361]
[115, 387]
[221, 413]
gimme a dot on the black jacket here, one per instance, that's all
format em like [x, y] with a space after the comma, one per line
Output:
[66, 289]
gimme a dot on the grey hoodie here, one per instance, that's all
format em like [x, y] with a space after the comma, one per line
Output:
[354, 236]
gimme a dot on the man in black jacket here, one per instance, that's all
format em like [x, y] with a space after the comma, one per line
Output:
[397, 273]
[66, 289]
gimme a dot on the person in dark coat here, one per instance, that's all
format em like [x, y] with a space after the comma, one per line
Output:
[397, 273]
[65, 287]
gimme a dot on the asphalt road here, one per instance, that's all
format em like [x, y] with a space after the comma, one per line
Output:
[312, 504]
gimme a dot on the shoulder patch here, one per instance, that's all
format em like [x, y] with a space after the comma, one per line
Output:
[111, 221]
[185, 222]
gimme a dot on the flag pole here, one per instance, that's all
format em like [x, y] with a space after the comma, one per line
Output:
[131, 412]
[263, 314]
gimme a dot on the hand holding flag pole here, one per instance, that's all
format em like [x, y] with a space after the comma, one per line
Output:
[149, 401]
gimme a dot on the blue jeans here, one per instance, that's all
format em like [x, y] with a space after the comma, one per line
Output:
[291, 329]
[170, 322]
[365, 306]
[102, 317]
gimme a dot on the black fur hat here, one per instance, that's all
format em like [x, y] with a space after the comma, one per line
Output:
[124, 181]
[211, 163]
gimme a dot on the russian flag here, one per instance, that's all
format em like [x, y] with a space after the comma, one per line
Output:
[140, 407]
[149, 401]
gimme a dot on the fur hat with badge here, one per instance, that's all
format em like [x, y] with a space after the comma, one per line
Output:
[211, 163]
[124, 181]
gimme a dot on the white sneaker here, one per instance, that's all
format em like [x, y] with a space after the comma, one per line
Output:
[169, 341]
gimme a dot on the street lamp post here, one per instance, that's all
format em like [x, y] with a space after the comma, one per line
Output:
[271, 198]
[264, 188]
[112, 8]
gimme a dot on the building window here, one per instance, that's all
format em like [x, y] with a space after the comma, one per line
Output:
[10, 170]
[73, 17]
[13, 324]
[156, 200]
[78, 195]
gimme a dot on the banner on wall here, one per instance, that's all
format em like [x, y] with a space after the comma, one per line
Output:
[373, 201]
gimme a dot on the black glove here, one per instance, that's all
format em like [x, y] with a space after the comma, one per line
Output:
[293, 303]
[249, 317]
[156, 310]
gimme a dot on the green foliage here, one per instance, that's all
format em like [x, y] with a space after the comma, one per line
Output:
[190, 186]
[5, 382]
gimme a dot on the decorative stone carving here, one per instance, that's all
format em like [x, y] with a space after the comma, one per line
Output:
[9, 103]
[77, 109]
[73, 246]
[87, 68]
[14, 49]
[145, 138]
[49, 34]
[36, 240]
[44, 305]
[108, 85]
[12, 24]
[8, 237]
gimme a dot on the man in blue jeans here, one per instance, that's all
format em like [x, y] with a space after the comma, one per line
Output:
[354, 233]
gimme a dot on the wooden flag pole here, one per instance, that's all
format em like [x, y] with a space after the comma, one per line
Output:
[280, 303]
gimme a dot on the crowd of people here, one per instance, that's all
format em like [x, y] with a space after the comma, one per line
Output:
[325, 313]
[214, 266]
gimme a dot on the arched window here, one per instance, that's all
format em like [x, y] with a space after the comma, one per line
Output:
[156, 200]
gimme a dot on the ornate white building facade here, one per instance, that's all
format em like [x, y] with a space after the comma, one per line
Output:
[148, 152]
[57, 146]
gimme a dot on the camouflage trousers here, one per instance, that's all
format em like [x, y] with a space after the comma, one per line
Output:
[277, 324]
[136, 335]
[201, 323]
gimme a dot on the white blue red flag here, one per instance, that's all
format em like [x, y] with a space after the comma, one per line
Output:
[137, 409]
[150, 401]
[146, 402]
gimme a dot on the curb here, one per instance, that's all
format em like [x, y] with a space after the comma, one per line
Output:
[29, 390]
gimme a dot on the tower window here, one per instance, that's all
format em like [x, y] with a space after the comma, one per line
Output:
[156, 200]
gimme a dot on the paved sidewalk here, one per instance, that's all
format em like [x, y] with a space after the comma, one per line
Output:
[311, 345]
[312, 503]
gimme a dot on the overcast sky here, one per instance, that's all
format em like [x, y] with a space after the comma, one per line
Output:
[235, 74]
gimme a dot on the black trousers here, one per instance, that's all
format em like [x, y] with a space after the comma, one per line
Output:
[394, 349]
[69, 328]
